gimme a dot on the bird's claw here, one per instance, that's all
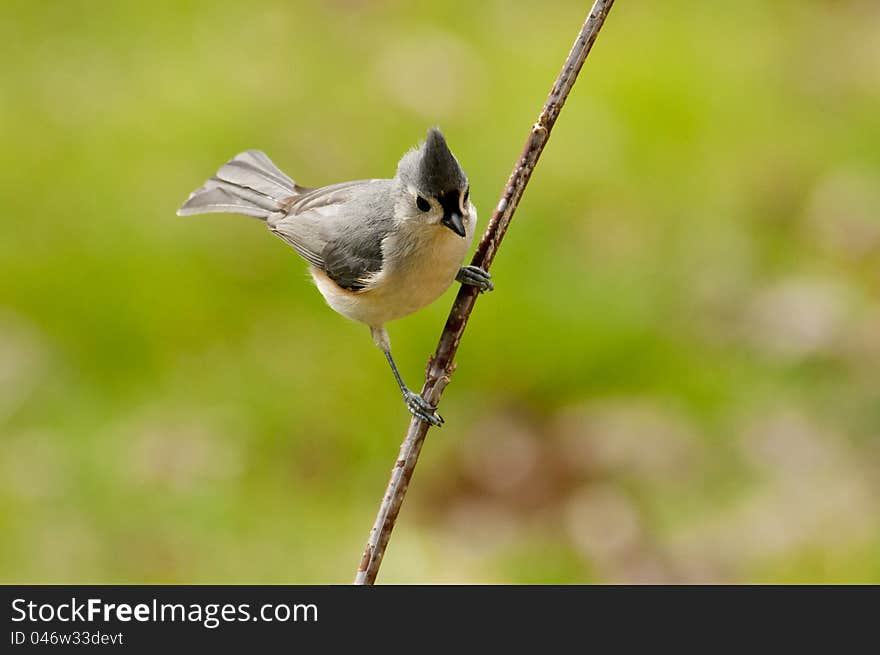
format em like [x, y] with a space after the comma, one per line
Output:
[422, 409]
[476, 277]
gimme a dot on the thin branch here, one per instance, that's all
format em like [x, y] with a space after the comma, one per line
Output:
[441, 366]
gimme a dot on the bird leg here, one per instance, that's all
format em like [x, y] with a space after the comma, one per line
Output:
[418, 406]
[475, 277]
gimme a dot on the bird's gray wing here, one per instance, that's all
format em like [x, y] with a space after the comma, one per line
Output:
[306, 232]
[336, 194]
[340, 228]
[350, 263]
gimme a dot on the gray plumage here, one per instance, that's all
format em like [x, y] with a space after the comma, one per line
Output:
[247, 184]
[432, 168]
[378, 249]
[338, 228]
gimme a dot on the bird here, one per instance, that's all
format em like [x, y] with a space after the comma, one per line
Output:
[377, 249]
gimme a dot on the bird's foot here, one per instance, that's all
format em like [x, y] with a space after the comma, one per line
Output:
[421, 408]
[475, 277]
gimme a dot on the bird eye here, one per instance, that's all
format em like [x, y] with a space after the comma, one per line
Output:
[422, 204]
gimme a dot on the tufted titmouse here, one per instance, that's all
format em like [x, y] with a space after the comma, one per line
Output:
[378, 249]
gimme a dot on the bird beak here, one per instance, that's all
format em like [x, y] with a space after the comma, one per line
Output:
[453, 221]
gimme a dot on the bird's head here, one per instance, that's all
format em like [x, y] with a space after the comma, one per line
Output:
[436, 183]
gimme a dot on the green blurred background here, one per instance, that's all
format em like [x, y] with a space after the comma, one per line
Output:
[676, 379]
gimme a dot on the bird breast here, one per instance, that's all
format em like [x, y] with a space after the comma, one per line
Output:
[420, 261]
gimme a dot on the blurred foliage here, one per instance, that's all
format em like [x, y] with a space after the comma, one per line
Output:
[676, 379]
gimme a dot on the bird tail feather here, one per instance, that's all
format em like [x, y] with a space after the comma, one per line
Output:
[248, 184]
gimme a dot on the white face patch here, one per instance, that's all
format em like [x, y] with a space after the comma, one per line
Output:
[434, 211]
[464, 201]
